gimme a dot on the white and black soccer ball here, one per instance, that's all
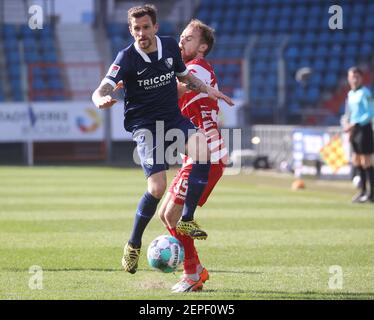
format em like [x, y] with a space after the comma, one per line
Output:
[165, 253]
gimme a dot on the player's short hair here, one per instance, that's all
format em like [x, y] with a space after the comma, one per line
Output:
[141, 11]
[355, 69]
[207, 33]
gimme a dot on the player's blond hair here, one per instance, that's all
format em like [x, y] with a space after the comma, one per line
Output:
[206, 32]
[141, 11]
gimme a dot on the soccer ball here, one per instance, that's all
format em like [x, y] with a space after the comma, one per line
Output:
[165, 253]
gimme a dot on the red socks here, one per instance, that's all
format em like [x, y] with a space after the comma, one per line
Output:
[191, 258]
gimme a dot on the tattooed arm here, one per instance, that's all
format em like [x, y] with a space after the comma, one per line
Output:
[195, 84]
[102, 96]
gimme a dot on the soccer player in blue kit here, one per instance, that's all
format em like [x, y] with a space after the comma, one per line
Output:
[148, 69]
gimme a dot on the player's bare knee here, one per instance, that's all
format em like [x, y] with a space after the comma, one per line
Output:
[157, 187]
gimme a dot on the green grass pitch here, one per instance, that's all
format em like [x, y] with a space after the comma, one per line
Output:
[265, 241]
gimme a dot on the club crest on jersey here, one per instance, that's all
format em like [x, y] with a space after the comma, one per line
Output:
[113, 70]
[169, 62]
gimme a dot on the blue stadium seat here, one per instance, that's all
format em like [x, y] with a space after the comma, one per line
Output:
[349, 62]
[216, 15]
[55, 84]
[30, 44]
[49, 56]
[319, 64]
[296, 38]
[351, 50]
[355, 23]
[310, 37]
[46, 33]
[10, 44]
[321, 51]
[12, 57]
[307, 51]
[353, 37]
[284, 25]
[115, 29]
[166, 28]
[313, 23]
[369, 23]
[333, 65]
[315, 79]
[298, 24]
[244, 14]
[14, 70]
[324, 38]
[336, 51]
[10, 31]
[32, 57]
[15, 84]
[52, 71]
[26, 32]
[48, 44]
[17, 94]
[292, 52]
[255, 25]
[203, 15]
[366, 50]
[228, 26]
[312, 95]
[368, 36]
[285, 12]
[330, 80]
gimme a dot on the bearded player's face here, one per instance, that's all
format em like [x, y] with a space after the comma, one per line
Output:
[190, 43]
[143, 30]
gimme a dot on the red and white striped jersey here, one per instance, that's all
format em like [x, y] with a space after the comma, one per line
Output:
[203, 111]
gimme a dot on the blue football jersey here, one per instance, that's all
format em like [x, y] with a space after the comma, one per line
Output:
[149, 80]
[360, 106]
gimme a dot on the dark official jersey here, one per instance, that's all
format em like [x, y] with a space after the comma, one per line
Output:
[149, 82]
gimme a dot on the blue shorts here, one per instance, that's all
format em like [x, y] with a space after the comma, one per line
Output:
[160, 145]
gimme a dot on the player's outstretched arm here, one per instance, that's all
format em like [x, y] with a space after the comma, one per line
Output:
[195, 84]
[102, 96]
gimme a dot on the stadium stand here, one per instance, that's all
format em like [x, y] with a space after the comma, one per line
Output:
[310, 43]
[33, 47]
[294, 32]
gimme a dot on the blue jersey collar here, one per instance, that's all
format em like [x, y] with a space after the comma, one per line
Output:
[144, 55]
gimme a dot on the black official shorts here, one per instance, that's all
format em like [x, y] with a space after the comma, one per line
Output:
[362, 139]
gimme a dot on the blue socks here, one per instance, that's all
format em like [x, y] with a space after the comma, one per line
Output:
[197, 182]
[146, 209]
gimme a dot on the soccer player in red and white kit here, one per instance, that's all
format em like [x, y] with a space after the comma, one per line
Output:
[195, 43]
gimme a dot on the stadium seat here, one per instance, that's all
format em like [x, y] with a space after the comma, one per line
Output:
[55, 84]
[10, 31]
[366, 50]
[10, 44]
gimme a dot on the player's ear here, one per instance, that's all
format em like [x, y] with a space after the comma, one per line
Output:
[156, 27]
[203, 47]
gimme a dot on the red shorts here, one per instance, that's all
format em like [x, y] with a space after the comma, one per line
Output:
[178, 187]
